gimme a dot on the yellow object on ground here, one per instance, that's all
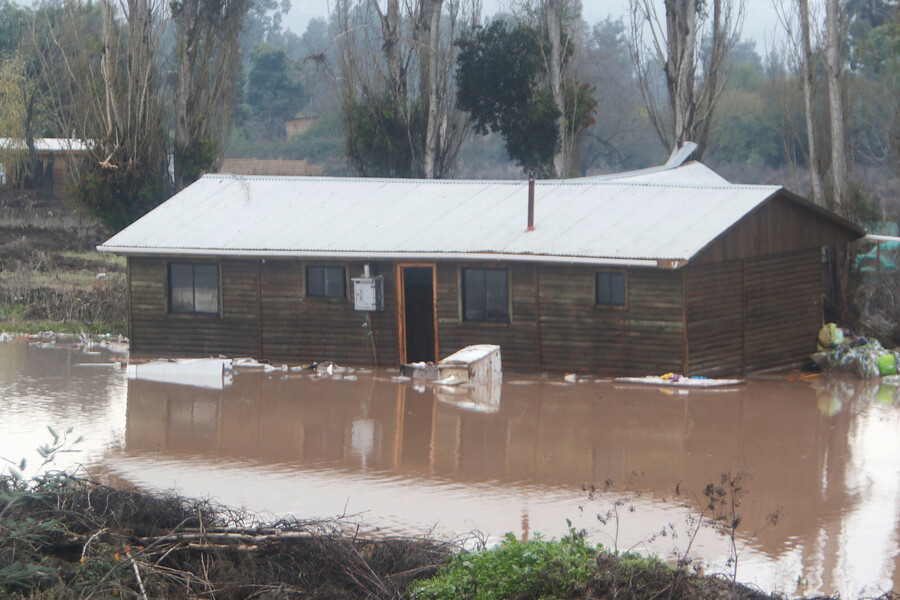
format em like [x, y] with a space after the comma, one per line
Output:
[830, 337]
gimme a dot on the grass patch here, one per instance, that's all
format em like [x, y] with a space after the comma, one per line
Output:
[24, 326]
[59, 279]
[540, 569]
[94, 257]
[61, 292]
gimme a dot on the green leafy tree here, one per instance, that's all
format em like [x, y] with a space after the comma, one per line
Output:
[273, 92]
[876, 108]
[746, 127]
[13, 24]
[499, 83]
[380, 141]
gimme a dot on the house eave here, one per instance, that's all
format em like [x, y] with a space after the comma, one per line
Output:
[664, 263]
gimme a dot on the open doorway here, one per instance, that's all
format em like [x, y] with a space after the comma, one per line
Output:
[417, 322]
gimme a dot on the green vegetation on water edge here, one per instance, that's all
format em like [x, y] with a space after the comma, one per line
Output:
[13, 320]
[25, 327]
[514, 569]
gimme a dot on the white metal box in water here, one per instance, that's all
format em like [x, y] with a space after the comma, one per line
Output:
[475, 364]
[368, 293]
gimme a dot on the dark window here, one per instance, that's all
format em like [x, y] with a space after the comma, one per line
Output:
[325, 282]
[193, 288]
[611, 288]
[485, 295]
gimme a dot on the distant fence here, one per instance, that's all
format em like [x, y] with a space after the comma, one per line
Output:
[280, 166]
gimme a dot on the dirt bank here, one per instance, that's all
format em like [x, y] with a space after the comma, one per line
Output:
[50, 275]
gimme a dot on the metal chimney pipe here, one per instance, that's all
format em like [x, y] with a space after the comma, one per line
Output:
[530, 203]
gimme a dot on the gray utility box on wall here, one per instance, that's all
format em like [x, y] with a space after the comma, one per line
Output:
[368, 293]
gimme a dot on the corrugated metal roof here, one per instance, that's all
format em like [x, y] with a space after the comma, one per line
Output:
[580, 219]
[690, 174]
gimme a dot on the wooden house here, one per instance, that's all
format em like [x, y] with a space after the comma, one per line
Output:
[277, 166]
[667, 269]
[55, 164]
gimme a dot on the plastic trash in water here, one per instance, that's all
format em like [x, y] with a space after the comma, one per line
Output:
[887, 364]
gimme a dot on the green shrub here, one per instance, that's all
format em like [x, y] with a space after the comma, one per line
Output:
[533, 569]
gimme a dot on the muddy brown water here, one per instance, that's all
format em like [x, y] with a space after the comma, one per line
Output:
[404, 458]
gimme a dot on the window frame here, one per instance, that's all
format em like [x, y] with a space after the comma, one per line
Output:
[170, 288]
[324, 295]
[463, 293]
[626, 289]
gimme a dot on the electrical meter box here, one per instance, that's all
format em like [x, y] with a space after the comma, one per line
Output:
[368, 293]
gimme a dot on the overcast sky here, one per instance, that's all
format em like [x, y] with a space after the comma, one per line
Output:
[760, 19]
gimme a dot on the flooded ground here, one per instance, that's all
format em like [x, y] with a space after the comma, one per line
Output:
[412, 459]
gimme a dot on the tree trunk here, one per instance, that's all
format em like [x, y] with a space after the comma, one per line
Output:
[681, 41]
[562, 158]
[712, 87]
[835, 66]
[390, 31]
[815, 170]
[431, 10]
[186, 55]
[208, 57]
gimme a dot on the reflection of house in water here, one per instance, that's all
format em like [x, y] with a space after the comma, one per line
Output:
[540, 434]
[806, 461]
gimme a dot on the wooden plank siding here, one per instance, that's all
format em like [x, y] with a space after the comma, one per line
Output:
[779, 226]
[715, 319]
[264, 313]
[646, 336]
[749, 315]
[721, 319]
[298, 328]
[517, 339]
[782, 309]
[155, 331]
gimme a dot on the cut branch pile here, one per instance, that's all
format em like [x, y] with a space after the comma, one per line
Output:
[70, 538]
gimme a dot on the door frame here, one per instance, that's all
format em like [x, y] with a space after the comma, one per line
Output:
[401, 307]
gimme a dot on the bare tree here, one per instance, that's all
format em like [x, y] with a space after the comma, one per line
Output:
[101, 73]
[797, 22]
[433, 78]
[834, 196]
[207, 55]
[691, 50]
[834, 61]
[806, 63]
[395, 64]
[24, 95]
